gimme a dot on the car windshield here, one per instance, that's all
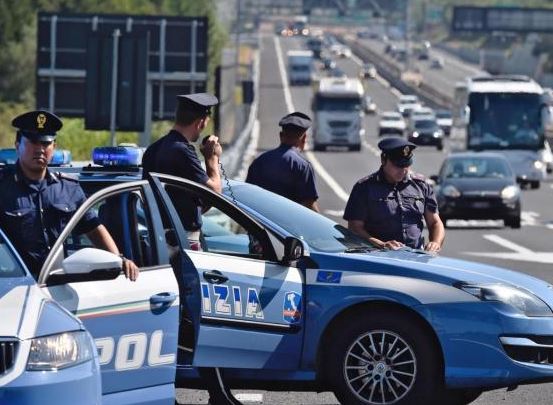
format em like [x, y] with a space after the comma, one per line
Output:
[477, 168]
[319, 232]
[326, 103]
[443, 114]
[391, 117]
[408, 100]
[9, 265]
[425, 124]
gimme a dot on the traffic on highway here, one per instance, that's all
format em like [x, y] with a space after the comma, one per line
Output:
[398, 250]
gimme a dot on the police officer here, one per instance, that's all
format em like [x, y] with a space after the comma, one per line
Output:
[175, 154]
[387, 207]
[284, 170]
[36, 203]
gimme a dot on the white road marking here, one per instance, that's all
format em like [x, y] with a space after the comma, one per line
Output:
[327, 178]
[371, 149]
[518, 252]
[506, 243]
[248, 397]
[529, 218]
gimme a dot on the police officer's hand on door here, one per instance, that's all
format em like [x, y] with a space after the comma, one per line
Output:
[392, 244]
[432, 247]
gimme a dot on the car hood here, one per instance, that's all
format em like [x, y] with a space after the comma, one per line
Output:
[407, 262]
[479, 185]
[26, 312]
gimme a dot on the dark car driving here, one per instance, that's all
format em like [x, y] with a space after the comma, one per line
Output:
[478, 185]
[425, 131]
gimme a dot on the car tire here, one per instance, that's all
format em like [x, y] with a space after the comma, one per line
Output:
[534, 185]
[419, 365]
[513, 222]
[440, 146]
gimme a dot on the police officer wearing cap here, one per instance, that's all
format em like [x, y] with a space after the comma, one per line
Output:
[175, 154]
[36, 203]
[284, 170]
[387, 207]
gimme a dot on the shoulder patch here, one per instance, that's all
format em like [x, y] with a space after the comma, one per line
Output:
[67, 176]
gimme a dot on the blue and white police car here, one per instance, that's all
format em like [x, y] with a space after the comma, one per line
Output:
[284, 298]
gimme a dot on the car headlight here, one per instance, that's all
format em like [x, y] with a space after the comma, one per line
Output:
[438, 134]
[55, 352]
[451, 191]
[538, 165]
[509, 192]
[523, 301]
[415, 134]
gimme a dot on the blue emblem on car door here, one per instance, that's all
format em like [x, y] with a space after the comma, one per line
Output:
[291, 311]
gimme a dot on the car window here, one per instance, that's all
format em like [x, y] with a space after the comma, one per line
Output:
[477, 168]
[125, 217]
[9, 265]
[221, 230]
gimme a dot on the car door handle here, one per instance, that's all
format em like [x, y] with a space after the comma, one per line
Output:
[163, 298]
[215, 277]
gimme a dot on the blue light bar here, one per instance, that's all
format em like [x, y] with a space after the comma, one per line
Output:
[61, 157]
[8, 156]
[117, 156]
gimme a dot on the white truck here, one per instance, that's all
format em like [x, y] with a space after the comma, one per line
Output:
[300, 67]
[338, 111]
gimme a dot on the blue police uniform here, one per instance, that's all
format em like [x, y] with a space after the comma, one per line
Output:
[284, 170]
[173, 154]
[34, 213]
[393, 211]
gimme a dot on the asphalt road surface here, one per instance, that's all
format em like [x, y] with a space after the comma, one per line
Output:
[527, 249]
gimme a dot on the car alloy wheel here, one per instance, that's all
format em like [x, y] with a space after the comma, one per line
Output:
[380, 367]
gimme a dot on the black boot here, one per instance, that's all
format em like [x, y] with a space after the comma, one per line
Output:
[219, 393]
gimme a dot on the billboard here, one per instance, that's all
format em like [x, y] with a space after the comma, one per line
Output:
[510, 19]
[176, 60]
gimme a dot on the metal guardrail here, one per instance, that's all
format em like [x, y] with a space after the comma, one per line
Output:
[392, 73]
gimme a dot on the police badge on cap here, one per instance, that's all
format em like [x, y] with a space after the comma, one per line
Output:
[398, 150]
[38, 125]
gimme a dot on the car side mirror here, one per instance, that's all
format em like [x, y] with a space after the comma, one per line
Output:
[88, 264]
[293, 249]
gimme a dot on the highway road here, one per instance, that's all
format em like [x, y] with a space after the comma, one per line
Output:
[527, 249]
[444, 79]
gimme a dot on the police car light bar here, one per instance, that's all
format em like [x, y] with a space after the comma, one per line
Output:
[121, 156]
[61, 157]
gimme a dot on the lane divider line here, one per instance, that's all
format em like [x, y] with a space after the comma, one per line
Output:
[507, 244]
[321, 172]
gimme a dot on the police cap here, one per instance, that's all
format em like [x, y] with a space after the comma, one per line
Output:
[38, 125]
[398, 150]
[295, 119]
[198, 102]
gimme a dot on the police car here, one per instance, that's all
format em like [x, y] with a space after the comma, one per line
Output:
[287, 300]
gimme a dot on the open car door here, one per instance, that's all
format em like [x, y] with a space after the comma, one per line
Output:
[246, 303]
[134, 324]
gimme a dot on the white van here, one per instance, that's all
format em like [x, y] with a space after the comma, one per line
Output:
[338, 111]
[300, 67]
